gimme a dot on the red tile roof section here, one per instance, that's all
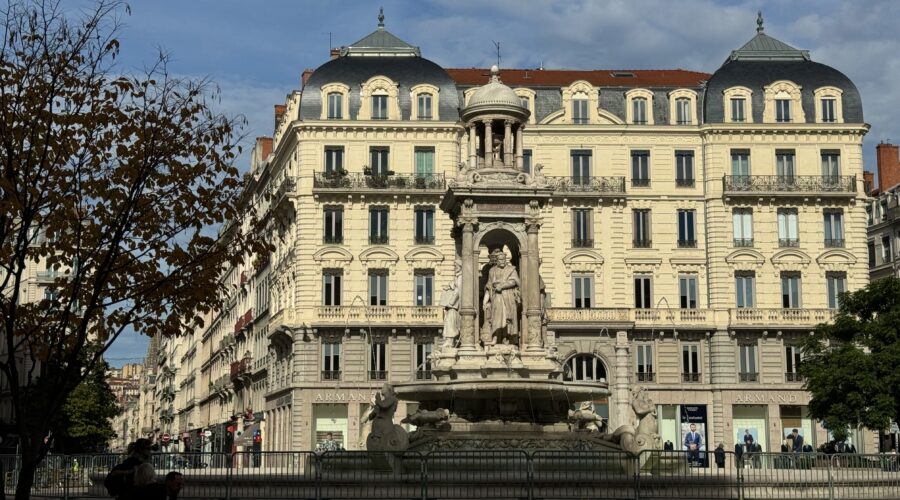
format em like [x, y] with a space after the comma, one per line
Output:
[597, 77]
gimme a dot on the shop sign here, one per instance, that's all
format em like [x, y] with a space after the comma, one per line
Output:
[342, 397]
[766, 397]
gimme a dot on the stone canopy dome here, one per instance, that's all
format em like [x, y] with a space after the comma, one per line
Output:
[494, 97]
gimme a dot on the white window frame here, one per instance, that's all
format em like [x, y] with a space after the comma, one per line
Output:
[630, 98]
[742, 225]
[582, 291]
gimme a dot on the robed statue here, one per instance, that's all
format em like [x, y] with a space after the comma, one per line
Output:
[503, 294]
[450, 298]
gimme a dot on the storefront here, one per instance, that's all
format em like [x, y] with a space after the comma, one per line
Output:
[685, 428]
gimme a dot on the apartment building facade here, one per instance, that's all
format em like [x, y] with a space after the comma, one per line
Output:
[883, 211]
[700, 225]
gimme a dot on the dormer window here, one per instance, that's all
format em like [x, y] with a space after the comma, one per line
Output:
[335, 106]
[639, 111]
[580, 110]
[783, 103]
[379, 107]
[423, 107]
[682, 102]
[682, 111]
[526, 99]
[828, 115]
[783, 110]
[828, 105]
[737, 105]
[336, 101]
[424, 99]
[525, 102]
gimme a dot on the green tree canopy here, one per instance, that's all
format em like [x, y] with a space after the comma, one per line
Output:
[87, 414]
[851, 366]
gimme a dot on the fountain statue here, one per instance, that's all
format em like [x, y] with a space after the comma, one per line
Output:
[450, 302]
[385, 434]
[503, 296]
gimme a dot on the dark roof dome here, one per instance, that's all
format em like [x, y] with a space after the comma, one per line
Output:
[764, 60]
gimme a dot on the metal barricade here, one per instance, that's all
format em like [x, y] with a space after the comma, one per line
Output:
[855, 476]
[364, 475]
[681, 474]
[494, 474]
[274, 475]
[560, 475]
[785, 475]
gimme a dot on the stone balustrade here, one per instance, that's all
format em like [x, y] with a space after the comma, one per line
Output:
[379, 315]
[780, 317]
[676, 318]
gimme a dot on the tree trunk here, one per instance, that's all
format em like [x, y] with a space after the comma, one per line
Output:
[31, 457]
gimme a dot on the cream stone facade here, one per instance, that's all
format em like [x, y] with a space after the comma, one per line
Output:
[688, 241]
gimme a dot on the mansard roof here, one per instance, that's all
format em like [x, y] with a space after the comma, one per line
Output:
[596, 77]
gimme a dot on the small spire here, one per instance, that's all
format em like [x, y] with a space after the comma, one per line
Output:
[381, 18]
[759, 21]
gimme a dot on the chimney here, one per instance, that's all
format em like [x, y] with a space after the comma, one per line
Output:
[264, 147]
[305, 77]
[868, 181]
[279, 113]
[335, 53]
[888, 158]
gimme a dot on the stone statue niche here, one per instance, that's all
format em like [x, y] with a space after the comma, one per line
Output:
[501, 301]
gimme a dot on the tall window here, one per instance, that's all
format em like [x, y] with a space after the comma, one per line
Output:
[790, 290]
[788, 235]
[424, 230]
[526, 161]
[525, 102]
[747, 355]
[335, 104]
[583, 289]
[641, 228]
[584, 367]
[378, 287]
[684, 168]
[581, 166]
[640, 168]
[738, 104]
[784, 167]
[834, 227]
[686, 229]
[782, 110]
[378, 160]
[740, 168]
[639, 110]
[582, 228]
[745, 289]
[792, 357]
[643, 291]
[378, 361]
[644, 355]
[690, 362]
[831, 166]
[423, 360]
[331, 361]
[871, 247]
[886, 252]
[424, 285]
[334, 159]
[424, 162]
[828, 114]
[379, 107]
[331, 287]
[836, 283]
[424, 107]
[334, 225]
[580, 111]
[742, 222]
[378, 225]
[687, 290]
[683, 111]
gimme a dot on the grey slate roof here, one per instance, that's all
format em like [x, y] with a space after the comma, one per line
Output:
[765, 48]
[381, 42]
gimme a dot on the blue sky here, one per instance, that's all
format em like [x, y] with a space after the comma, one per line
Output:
[257, 50]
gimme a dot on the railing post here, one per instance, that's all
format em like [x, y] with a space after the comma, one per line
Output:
[830, 478]
[65, 464]
[739, 463]
[317, 474]
[228, 475]
[423, 475]
[529, 459]
[636, 470]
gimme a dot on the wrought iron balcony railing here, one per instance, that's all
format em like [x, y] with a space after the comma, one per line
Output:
[793, 377]
[834, 242]
[822, 184]
[743, 242]
[582, 243]
[378, 239]
[645, 376]
[378, 374]
[584, 184]
[331, 374]
[357, 180]
[642, 243]
[423, 375]
[333, 239]
[424, 239]
[788, 242]
[687, 243]
[690, 377]
[640, 182]
[684, 182]
[749, 376]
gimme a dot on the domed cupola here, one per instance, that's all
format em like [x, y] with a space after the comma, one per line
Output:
[495, 118]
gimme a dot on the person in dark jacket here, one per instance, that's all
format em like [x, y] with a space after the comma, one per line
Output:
[120, 480]
[167, 490]
[738, 453]
[720, 455]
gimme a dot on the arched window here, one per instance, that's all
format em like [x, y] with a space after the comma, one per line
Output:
[335, 105]
[639, 110]
[584, 367]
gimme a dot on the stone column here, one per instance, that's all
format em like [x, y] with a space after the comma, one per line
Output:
[467, 305]
[533, 291]
[473, 145]
[507, 143]
[520, 152]
[623, 412]
[488, 144]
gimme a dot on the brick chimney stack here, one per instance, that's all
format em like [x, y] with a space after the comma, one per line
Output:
[305, 77]
[280, 109]
[888, 156]
[335, 53]
[264, 146]
[868, 181]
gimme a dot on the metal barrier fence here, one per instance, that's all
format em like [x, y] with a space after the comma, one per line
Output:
[494, 474]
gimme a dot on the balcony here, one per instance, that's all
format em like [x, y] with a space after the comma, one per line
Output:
[378, 316]
[582, 243]
[684, 183]
[241, 368]
[773, 318]
[793, 377]
[690, 377]
[357, 181]
[587, 185]
[789, 242]
[687, 243]
[749, 377]
[287, 186]
[834, 243]
[645, 376]
[658, 318]
[743, 242]
[588, 315]
[378, 374]
[796, 185]
[331, 374]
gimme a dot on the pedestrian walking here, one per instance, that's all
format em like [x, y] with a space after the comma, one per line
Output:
[720, 455]
[119, 482]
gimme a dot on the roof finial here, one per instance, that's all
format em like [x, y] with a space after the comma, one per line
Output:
[381, 18]
[759, 21]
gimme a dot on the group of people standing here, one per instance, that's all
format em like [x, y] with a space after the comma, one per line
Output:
[135, 478]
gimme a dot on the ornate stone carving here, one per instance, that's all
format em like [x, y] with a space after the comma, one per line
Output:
[450, 300]
[385, 434]
[585, 418]
[429, 419]
[503, 296]
[643, 436]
